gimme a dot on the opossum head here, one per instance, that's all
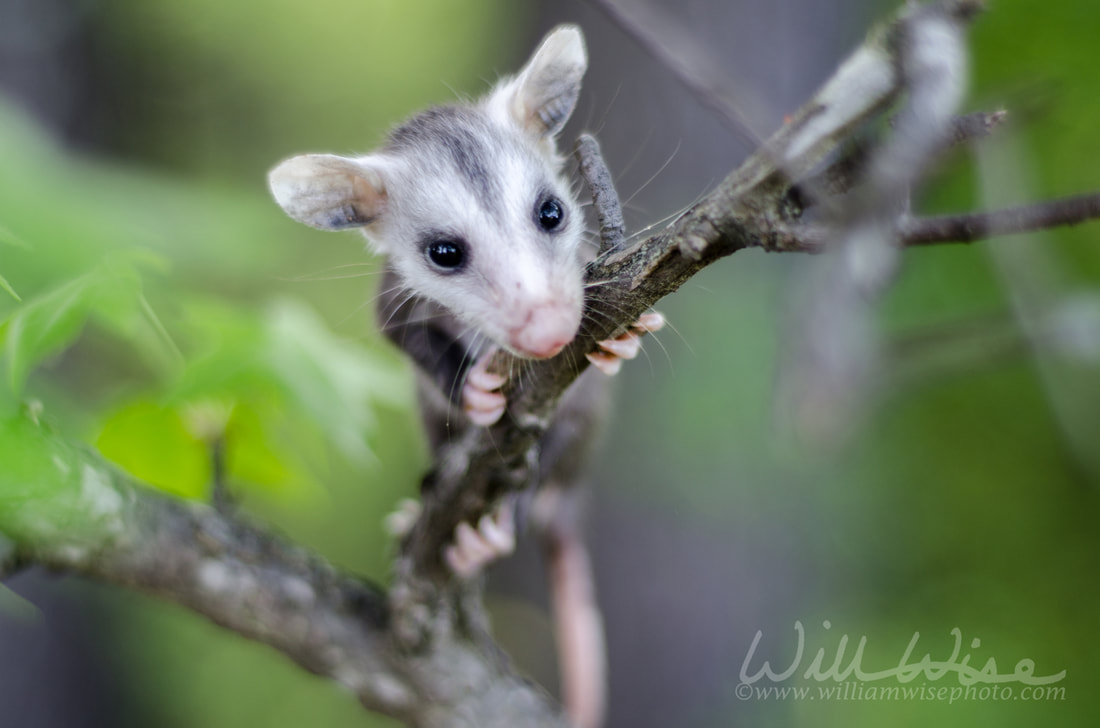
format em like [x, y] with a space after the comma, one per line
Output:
[469, 203]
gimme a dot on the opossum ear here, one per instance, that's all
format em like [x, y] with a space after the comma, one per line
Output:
[542, 96]
[329, 192]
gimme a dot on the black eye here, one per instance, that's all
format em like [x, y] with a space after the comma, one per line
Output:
[447, 254]
[550, 214]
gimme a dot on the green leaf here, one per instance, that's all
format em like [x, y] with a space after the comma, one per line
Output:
[153, 443]
[334, 382]
[288, 353]
[109, 294]
[50, 322]
[271, 449]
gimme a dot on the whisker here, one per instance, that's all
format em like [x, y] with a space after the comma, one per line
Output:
[655, 174]
[671, 216]
[596, 284]
[305, 277]
[397, 308]
[637, 155]
[607, 111]
[471, 355]
[672, 327]
[369, 302]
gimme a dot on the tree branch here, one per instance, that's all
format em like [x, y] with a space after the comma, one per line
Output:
[970, 227]
[840, 176]
[975, 125]
[66, 509]
[609, 211]
[963, 228]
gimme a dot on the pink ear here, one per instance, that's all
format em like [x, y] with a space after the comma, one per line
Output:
[328, 192]
[544, 94]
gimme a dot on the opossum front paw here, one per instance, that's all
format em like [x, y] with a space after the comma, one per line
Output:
[475, 548]
[482, 400]
[609, 358]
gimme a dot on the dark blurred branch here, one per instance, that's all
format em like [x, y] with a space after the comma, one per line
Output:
[829, 348]
[963, 228]
[980, 225]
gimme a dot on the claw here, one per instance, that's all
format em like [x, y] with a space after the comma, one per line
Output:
[626, 346]
[499, 530]
[473, 549]
[650, 322]
[609, 364]
[609, 357]
[469, 541]
[482, 400]
[483, 379]
[458, 562]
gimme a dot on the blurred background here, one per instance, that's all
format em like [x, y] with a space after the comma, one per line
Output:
[134, 140]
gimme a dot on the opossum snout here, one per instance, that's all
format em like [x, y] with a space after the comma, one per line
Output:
[545, 330]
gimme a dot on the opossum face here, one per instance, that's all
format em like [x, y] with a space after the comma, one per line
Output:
[469, 204]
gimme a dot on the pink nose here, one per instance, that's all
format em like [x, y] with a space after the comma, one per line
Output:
[545, 332]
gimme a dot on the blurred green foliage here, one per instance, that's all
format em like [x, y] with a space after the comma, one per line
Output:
[152, 308]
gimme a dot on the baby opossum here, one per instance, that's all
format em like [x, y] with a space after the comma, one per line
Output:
[484, 249]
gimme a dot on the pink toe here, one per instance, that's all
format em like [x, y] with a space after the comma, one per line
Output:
[479, 399]
[484, 380]
[652, 321]
[500, 538]
[626, 346]
[458, 563]
[606, 363]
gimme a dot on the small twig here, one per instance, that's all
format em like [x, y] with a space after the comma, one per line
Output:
[976, 125]
[609, 212]
[964, 228]
[220, 497]
[980, 225]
